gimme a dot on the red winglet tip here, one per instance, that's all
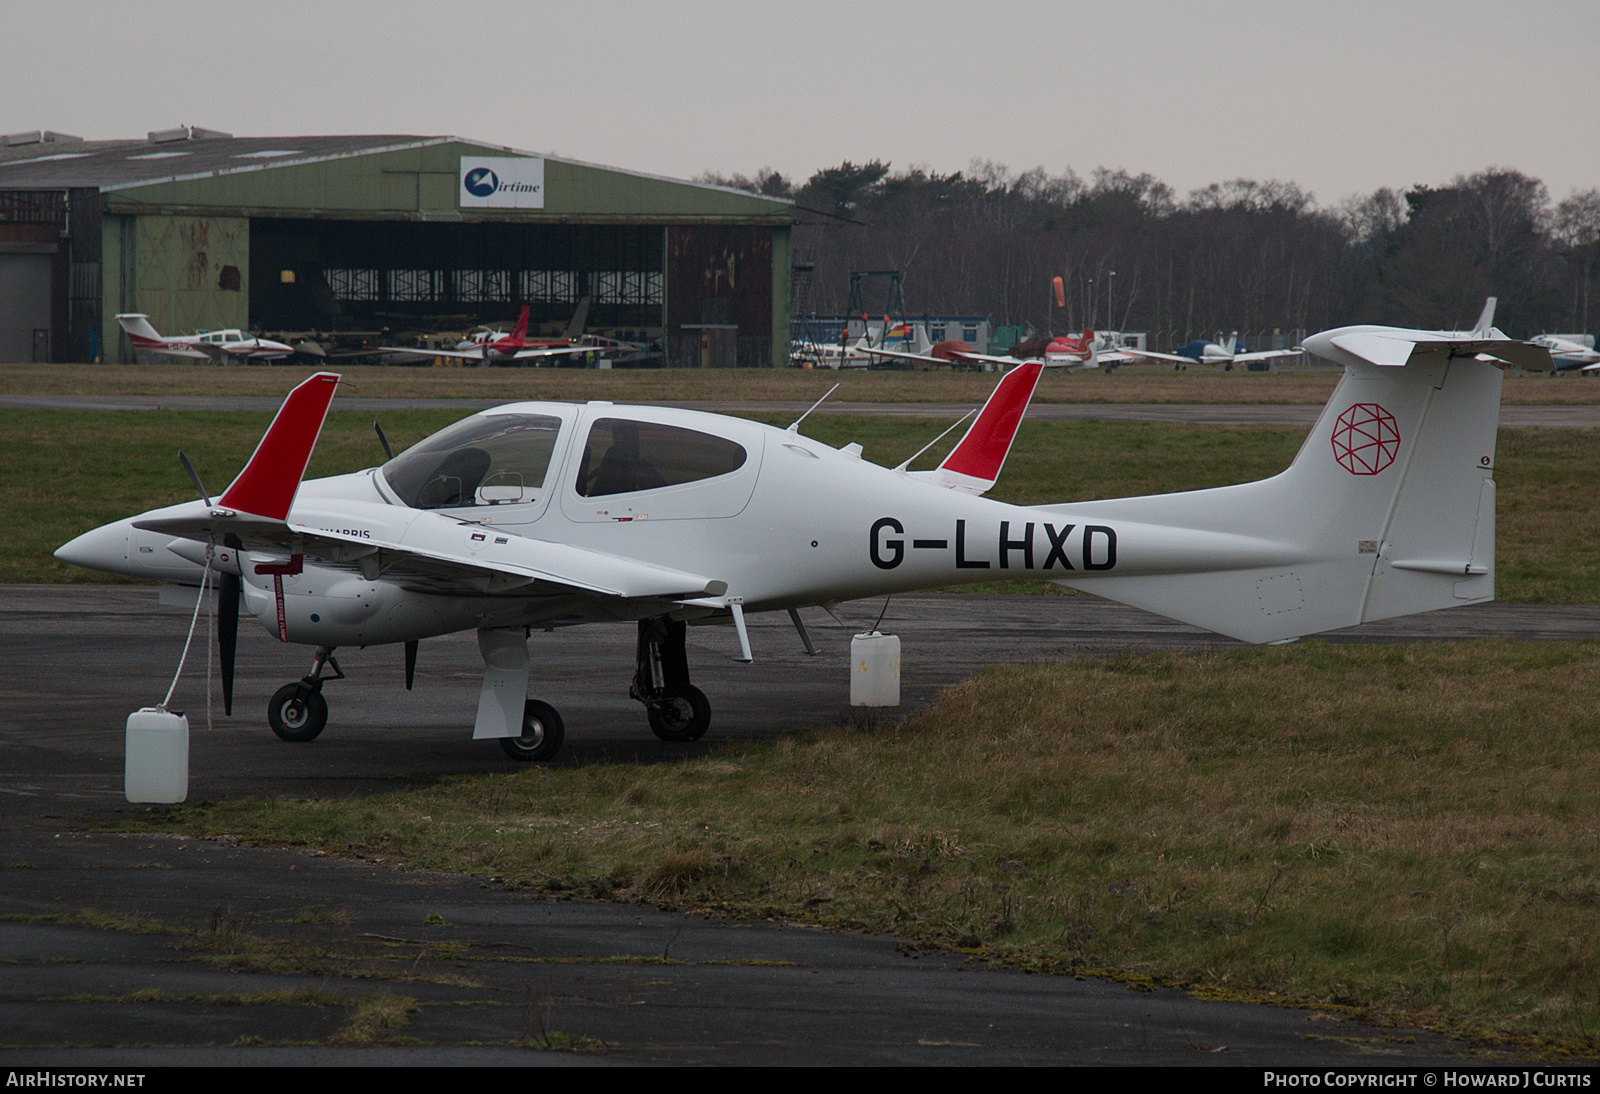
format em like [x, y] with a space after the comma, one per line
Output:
[267, 485]
[982, 452]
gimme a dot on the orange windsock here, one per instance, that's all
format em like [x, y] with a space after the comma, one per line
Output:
[1061, 292]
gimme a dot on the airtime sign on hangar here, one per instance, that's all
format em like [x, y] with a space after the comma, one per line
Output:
[202, 230]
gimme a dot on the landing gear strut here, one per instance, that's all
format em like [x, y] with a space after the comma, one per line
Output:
[676, 709]
[297, 711]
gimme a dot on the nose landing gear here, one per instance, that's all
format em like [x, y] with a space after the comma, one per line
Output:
[297, 711]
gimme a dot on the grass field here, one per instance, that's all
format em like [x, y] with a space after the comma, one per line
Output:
[1405, 833]
[1408, 834]
[1129, 384]
[63, 472]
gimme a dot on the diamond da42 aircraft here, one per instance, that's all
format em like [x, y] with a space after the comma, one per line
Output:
[539, 515]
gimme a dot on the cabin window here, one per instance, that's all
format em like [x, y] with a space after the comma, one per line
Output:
[493, 459]
[622, 456]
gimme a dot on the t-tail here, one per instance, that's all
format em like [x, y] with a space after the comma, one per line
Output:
[140, 332]
[1387, 510]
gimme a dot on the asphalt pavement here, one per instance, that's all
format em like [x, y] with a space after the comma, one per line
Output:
[264, 956]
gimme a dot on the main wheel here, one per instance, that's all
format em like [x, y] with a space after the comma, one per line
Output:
[542, 733]
[297, 712]
[682, 714]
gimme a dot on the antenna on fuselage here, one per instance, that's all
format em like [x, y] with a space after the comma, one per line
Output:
[794, 426]
[937, 439]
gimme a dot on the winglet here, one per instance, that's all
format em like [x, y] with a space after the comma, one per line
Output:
[267, 485]
[974, 464]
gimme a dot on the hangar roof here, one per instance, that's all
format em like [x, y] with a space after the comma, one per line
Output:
[314, 176]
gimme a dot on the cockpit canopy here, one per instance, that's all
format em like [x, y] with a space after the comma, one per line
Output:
[488, 459]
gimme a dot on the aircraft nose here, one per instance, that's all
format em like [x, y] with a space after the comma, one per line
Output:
[103, 548]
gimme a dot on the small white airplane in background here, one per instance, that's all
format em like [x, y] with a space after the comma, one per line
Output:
[488, 346]
[223, 346]
[1074, 354]
[1568, 352]
[1226, 352]
[540, 515]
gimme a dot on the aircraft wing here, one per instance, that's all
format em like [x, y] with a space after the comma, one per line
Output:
[555, 351]
[431, 552]
[462, 354]
[901, 355]
[1265, 355]
[1153, 355]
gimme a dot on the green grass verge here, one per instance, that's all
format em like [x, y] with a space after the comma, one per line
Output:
[1406, 832]
[64, 472]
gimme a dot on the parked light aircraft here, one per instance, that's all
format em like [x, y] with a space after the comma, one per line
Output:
[224, 346]
[1569, 353]
[488, 346]
[540, 515]
[1062, 350]
[1226, 352]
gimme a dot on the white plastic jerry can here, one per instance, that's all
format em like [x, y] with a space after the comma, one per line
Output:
[875, 670]
[156, 768]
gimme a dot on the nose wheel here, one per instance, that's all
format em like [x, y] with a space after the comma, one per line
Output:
[298, 712]
[542, 734]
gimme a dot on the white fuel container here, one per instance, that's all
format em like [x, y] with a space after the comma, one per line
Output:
[156, 768]
[875, 670]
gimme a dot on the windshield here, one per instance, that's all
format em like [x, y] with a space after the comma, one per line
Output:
[494, 459]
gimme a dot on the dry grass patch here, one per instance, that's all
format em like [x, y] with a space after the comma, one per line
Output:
[1411, 832]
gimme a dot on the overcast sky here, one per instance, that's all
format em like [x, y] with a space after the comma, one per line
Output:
[1341, 97]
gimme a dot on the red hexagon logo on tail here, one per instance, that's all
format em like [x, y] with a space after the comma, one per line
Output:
[1365, 439]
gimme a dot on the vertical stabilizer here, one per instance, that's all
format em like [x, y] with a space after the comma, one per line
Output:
[1387, 510]
[1485, 322]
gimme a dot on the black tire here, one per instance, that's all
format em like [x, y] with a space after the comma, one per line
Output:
[297, 712]
[681, 714]
[542, 734]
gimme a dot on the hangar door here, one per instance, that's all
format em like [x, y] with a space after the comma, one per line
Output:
[24, 307]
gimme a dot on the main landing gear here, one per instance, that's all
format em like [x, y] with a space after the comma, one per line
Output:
[676, 709]
[297, 711]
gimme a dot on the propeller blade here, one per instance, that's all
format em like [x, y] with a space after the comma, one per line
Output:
[411, 663]
[228, 633]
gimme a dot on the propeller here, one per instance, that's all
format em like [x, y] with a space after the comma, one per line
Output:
[228, 590]
[228, 621]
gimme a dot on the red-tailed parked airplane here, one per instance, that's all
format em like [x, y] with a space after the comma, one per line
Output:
[541, 515]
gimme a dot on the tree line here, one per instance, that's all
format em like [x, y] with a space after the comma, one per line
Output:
[1240, 255]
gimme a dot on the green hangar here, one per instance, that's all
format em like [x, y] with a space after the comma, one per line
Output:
[201, 230]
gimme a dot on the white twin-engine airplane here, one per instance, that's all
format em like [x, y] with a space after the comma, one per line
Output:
[222, 346]
[540, 515]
